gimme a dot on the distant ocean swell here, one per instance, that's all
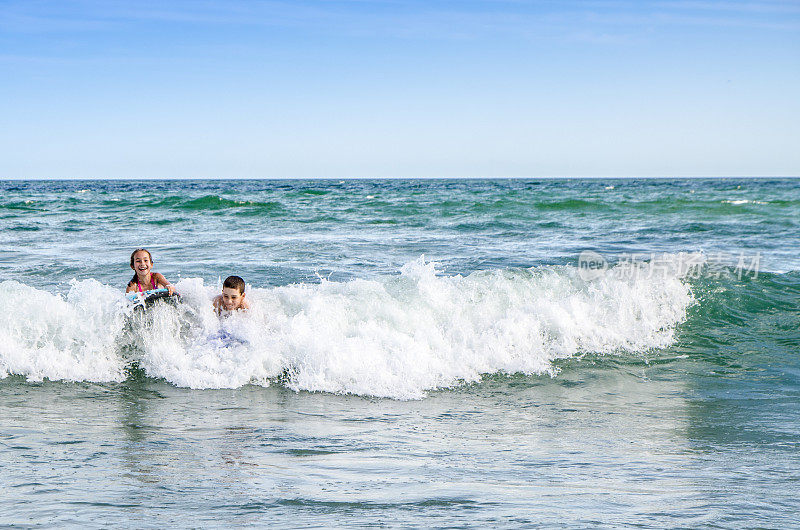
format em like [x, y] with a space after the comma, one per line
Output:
[399, 336]
[508, 203]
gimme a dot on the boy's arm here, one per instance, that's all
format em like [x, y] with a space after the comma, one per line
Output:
[218, 307]
[244, 303]
[130, 287]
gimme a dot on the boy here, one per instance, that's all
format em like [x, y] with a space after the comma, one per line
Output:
[232, 297]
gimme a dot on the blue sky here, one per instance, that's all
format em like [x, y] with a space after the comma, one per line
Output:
[396, 88]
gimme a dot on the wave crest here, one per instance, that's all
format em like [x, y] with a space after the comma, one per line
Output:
[397, 337]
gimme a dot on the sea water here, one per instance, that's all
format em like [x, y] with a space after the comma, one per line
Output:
[445, 353]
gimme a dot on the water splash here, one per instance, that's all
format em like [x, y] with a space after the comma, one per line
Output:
[399, 336]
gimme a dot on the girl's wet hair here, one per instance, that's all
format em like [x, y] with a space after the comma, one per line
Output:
[133, 254]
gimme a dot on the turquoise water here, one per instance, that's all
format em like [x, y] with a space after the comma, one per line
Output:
[419, 353]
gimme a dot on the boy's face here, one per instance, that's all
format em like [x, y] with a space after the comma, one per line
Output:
[231, 298]
[142, 263]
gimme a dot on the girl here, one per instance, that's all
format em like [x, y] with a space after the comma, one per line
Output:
[144, 278]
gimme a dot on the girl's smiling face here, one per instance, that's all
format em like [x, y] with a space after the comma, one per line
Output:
[142, 263]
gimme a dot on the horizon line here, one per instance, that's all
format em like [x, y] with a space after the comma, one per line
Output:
[515, 177]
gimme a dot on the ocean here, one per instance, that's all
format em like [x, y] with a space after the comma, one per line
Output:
[419, 353]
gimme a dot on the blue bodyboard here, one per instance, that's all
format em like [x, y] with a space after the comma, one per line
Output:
[148, 298]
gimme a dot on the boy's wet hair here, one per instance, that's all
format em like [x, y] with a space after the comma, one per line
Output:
[234, 282]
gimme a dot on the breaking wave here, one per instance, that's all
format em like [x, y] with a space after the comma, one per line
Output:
[399, 336]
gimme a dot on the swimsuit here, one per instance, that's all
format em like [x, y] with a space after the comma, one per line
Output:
[152, 279]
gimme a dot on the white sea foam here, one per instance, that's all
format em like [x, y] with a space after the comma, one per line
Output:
[46, 336]
[396, 337]
[742, 201]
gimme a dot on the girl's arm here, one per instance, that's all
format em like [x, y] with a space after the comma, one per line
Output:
[163, 282]
[130, 287]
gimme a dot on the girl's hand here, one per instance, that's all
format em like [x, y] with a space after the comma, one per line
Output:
[170, 289]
